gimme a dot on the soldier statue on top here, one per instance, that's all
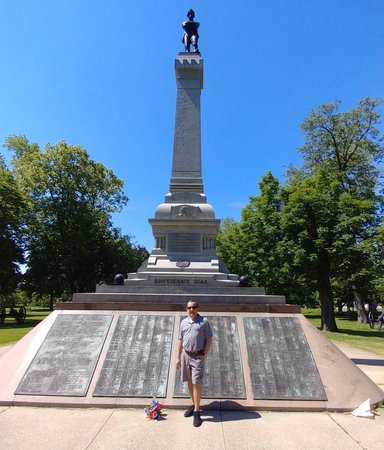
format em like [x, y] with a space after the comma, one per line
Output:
[191, 36]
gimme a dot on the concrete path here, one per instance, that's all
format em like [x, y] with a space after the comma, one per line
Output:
[67, 429]
[53, 428]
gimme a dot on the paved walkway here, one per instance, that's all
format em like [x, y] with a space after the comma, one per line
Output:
[67, 429]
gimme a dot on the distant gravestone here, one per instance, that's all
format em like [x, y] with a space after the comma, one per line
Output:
[137, 360]
[280, 360]
[223, 376]
[67, 358]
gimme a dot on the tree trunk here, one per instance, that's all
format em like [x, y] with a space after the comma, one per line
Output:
[328, 322]
[362, 316]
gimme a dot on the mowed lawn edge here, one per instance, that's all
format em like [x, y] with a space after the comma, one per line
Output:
[351, 332]
[11, 331]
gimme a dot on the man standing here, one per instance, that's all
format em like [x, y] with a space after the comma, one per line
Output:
[195, 341]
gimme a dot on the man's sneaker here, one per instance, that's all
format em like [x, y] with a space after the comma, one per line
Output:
[197, 419]
[189, 411]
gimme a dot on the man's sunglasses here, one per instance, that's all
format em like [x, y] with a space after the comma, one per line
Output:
[191, 307]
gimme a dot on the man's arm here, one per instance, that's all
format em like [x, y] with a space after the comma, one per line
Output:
[208, 343]
[179, 350]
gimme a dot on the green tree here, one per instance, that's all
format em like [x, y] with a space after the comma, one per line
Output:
[347, 142]
[229, 246]
[262, 236]
[12, 207]
[71, 242]
[321, 233]
[120, 255]
[309, 222]
[355, 249]
[335, 196]
[257, 246]
[378, 252]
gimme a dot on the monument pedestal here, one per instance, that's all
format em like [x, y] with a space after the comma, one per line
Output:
[260, 361]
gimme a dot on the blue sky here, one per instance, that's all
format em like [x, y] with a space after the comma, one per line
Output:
[101, 74]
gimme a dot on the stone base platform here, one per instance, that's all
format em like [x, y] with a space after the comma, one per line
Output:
[131, 305]
[123, 358]
[179, 294]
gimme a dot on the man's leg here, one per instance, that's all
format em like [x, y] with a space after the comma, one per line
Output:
[194, 44]
[187, 44]
[189, 411]
[190, 389]
[196, 397]
[195, 388]
[186, 375]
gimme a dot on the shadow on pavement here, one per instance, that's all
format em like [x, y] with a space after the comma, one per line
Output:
[227, 411]
[368, 362]
[229, 416]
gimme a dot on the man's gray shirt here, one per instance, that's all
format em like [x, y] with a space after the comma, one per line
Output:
[194, 333]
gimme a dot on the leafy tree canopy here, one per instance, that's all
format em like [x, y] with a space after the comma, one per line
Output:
[320, 233]
[12, 208]
[71, 244]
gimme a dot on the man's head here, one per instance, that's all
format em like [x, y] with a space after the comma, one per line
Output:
[191, 14]
[192, 308]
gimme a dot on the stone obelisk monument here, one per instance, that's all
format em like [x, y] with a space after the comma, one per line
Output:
[184, 226]
[183, 263]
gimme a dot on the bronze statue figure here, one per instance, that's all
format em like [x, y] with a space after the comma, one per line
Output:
[190, 35]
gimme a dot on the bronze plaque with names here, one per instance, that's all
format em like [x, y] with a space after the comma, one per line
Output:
[223, 374]
[184, 242]
[138, 357]
[280, 360]
[66, 360]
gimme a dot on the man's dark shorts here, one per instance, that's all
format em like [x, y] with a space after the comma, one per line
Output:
[192, 368]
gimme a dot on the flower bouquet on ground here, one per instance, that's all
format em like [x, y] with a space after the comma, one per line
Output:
[154, 411]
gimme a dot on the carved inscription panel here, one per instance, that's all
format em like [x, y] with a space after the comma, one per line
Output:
[67, 358]
[137, 360]
[280, 360]
[184, 242]
[223, 375]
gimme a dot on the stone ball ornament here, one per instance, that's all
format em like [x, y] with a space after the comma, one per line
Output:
[244, 281]
[119, 279]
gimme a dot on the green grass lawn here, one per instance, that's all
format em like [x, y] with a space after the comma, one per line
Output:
[11, 331]
[350, 331]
